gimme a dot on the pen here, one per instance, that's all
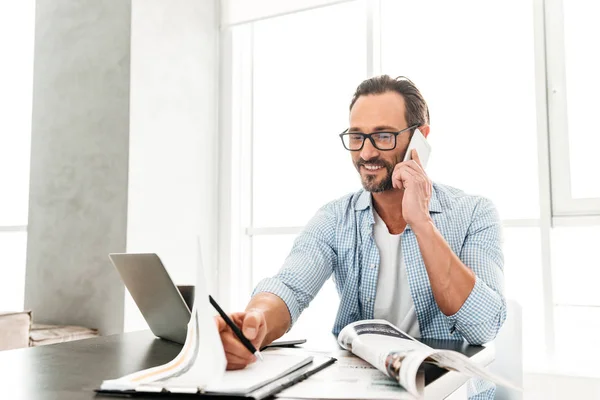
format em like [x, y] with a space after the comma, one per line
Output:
[235, 329]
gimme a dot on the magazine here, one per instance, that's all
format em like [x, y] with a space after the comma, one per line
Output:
[400, 356]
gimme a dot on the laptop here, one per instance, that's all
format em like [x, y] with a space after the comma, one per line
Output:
[159, 300]
[165, 307]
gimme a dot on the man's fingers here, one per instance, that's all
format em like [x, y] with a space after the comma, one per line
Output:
[233, 367]
[400, 175]
[397, 181]
[221, 325]
[413, 165]
[233, 345]
[260, 337]
[236, 359]
[238, 318]
[407, 174]
[415, 157]
[251, 324]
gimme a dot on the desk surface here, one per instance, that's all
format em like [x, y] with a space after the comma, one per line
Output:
[71, 371]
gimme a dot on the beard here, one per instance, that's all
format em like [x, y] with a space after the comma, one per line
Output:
[373, 183]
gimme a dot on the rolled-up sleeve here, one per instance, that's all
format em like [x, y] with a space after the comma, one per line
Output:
[483, 313]
[309, 264]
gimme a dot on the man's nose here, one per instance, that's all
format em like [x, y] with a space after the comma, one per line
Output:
[368, 151]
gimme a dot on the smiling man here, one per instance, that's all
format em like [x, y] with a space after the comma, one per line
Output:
[424, 256]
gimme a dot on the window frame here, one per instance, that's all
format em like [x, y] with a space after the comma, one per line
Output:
[563, 204]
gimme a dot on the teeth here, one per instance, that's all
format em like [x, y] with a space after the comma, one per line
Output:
[372, 167]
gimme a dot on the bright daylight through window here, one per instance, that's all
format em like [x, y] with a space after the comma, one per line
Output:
[484, 99]
[16, 83]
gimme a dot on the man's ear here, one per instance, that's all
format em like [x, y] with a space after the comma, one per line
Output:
[424, 130]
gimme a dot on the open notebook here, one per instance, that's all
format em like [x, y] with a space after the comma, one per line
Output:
[199, 368]
[258, 381]
[274, 366]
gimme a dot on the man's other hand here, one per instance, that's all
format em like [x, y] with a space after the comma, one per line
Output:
[254, 326]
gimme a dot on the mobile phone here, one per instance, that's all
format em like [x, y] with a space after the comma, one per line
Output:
[422, 146]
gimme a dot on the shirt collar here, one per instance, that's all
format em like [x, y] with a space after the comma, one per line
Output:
[365, 200]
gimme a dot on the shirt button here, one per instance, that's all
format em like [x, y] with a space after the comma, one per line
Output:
[373, 265]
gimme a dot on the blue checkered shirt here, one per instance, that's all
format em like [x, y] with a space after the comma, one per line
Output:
[339, 240]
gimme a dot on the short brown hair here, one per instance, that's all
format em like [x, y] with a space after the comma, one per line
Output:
[417, 112]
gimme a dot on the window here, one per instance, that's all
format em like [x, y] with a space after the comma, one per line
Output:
[524, 283]
[303, 82]
[582, 59]
[269, 254]
[16, 83]
[511, 88]
[573, 83]
[288, 119]
[575, 265]
[480, 91]
[576, 272]
[572, 323]
[13, 246]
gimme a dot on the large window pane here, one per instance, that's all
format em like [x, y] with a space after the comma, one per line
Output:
[523, 282]
[577, 330]
[474, 63]
[575, 265]
[16, 84]
[269, 253]
[317, 320]
[13, 248]
[582, 59]
[306, 67]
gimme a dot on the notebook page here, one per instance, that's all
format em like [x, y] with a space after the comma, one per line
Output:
[259, 373]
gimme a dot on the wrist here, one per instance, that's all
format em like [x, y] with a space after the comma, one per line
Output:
[422, 227]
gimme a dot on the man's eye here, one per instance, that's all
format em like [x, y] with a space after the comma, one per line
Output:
[384, 137]
[356, 137]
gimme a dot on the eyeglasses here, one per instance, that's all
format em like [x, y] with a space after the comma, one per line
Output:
[385, 141]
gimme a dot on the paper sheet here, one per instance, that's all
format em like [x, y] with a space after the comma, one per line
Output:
[275, 365]
[201, 360]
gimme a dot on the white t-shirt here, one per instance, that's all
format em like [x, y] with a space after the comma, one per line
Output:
[393, 301]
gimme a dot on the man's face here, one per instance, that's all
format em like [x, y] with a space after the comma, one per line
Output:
[379, 113]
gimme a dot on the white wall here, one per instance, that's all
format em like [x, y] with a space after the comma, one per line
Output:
[173, 137]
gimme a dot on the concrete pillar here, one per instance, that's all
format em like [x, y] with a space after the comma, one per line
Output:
[79, 162]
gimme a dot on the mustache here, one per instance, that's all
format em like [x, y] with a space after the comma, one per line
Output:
[374, 161]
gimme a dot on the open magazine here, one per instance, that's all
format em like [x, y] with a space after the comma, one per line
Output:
[400, 356]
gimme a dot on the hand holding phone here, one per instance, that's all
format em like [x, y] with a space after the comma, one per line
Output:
[414, 182]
